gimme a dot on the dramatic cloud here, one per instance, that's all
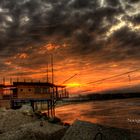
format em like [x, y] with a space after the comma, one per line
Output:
[81, 33]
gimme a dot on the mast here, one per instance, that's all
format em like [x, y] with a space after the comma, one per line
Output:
[52, 69]
[47, 70]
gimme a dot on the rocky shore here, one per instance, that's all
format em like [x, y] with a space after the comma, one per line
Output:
[81, 130]
[23, 124]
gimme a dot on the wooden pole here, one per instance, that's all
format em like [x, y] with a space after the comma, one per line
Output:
[48, 109]
[17, 79]
[47, 72]
[11, 81]
[52, 68]
[3, 80]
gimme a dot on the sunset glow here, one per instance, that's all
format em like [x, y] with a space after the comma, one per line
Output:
[94, 40]
[73, 85]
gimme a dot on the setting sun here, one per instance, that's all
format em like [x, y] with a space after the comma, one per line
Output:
[73, 84]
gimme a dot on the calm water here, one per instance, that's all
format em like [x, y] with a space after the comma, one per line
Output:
[122, 113]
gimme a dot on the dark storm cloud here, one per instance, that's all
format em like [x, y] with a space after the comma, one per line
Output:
[124, 44]
[80, 23]
[114, 3]
[133, 1]
[129, 42]
[135, 19]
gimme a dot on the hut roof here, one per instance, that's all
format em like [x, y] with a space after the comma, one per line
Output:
[33, 84]
[1, 85]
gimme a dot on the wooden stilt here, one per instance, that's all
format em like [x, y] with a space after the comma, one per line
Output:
[48, 109]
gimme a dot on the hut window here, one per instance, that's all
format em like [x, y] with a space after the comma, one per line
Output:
[21, 89]
[29, 89]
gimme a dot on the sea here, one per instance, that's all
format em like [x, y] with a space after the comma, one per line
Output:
[120, 113]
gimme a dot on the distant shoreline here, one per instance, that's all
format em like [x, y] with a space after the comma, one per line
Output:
[102, 96]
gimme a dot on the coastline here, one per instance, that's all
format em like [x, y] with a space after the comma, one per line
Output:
[102, 96]
[120, 113]
[24, 124]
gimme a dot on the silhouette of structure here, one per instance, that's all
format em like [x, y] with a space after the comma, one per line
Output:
[37, 94]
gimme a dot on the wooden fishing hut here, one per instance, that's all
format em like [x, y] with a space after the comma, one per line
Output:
[33, 93]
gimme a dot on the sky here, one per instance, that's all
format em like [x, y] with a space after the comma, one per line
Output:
[91, 39]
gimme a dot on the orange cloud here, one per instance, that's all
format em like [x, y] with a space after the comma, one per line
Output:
[23, 56]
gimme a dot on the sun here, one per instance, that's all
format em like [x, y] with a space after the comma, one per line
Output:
[74, 84]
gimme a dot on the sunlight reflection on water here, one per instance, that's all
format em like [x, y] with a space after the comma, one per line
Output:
[117, 113]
